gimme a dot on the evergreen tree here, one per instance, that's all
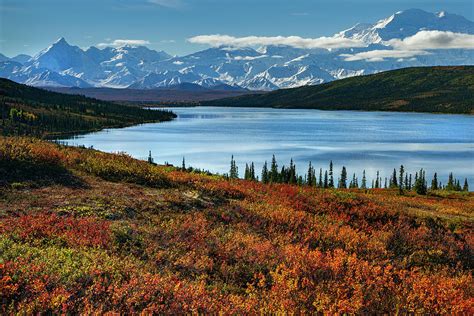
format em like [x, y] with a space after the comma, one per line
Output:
[385, 185]
[400, 183]
[252, 172]
[326, 183]
[465, 187]
[458, 185]
[393, 179]
[234, 171]
[364, 181]
[331, 176]
[274, 171]
[373, 184]
[183, 165]
[409, 183]
[300, 180]
[247, 172]
[320, 184]
[451, 185]
[434, 182]
[420, 183]
[150, 158]
[343, 179]
[354, 182]
[377, 181]
[265, 177]
[292, 173]
[310, 175]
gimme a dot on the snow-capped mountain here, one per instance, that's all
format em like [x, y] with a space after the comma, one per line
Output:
[407, 23]
[264, 68]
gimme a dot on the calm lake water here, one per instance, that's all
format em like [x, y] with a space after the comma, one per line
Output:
[208, 136]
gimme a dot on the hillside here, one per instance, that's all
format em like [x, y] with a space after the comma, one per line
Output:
[424, 89]
[31, 111]
[163, 95]
[87, 232]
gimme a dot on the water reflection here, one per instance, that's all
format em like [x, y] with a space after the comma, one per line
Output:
[373, 141]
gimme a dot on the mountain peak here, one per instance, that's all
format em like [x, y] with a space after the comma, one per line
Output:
[61, 41]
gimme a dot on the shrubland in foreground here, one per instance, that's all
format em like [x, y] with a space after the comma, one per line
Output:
[89, 232]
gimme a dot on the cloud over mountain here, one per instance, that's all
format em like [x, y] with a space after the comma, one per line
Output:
[434, 40]
[293, 41]
[382, 54]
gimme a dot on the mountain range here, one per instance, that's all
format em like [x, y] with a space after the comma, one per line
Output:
[233, 68]
[438, 89]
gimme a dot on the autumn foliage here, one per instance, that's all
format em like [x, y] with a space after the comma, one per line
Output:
[121, 235]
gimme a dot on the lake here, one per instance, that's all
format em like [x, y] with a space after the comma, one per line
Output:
[208, 136]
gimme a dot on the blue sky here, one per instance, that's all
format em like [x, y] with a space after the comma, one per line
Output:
[27, 26]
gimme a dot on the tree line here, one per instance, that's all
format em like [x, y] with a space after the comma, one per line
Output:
[35, 112]
[399, 179]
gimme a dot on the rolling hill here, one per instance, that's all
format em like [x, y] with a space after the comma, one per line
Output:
[421, 89]
[31, 111]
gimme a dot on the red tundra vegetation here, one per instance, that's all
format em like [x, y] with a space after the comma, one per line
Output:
[88, 232]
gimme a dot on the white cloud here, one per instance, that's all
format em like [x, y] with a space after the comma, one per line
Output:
[419, 44]
[294, 41]
[123, 42]
[382, 54]
[424, 40]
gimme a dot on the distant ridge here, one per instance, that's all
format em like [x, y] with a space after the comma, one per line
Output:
[184, 92]
[421, 89]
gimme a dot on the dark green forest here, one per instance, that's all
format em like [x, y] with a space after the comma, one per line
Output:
[31, 111]
[421, 89]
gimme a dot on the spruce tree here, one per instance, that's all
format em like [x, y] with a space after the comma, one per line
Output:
[393, 179]
[292, 172]
[234, 171]
[247, 172]
[465, 187]
[458, 185]
[150, 158]
[274, 171]
[331, 176]
[320, 184]
[309, 175]
[265, 178]
[343, 179]
[434, 182]
[377, 181]
[326, 183]
[364, 181]
[420, 183]
[400, 183]
[183, 165]
[252, 172]
[451, 185]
